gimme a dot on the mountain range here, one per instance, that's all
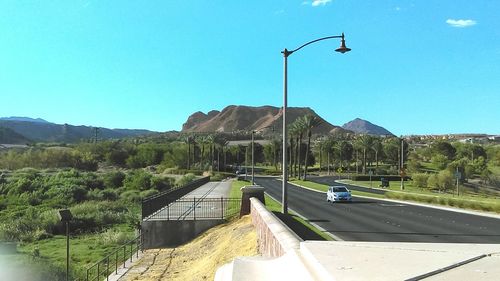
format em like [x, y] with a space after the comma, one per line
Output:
[21, 130]
[246, 118]
[233, 118]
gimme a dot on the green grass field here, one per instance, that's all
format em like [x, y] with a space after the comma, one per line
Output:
[300, 226]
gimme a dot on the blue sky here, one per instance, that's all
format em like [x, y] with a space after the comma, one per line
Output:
[416, 67]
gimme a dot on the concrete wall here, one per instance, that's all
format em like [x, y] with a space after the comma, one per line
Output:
[275, 238]
[163, 234]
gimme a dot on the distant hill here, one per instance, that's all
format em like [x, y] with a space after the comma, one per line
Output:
[39, 130]
[361, 126]
[25, 119]
[246, 118]
[9, 136]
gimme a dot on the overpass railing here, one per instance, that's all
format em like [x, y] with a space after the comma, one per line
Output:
[199, 208]
[153, 204]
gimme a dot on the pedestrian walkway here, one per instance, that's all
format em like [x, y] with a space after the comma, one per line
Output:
[208, 201]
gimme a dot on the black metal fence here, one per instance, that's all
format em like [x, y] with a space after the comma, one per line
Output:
[156, 202]
[199, 208]
[112, 262]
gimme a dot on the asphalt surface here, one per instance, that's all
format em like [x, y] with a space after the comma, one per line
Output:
[330, 180]
[383, 221]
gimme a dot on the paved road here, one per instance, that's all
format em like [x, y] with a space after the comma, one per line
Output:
[383, 221]
[330, 180]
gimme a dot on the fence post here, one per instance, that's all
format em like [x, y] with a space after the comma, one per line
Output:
[107, 268]
[137, 246]
[131, 254]
[124, 255]
[98, 271]
[116, 262]
[87, 279]
[194, 208]
[221, 208]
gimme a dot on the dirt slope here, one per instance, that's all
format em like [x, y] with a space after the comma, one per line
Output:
[199, 259]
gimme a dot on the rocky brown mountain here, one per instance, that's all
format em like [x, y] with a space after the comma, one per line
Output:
[246, 118]
[361, 126]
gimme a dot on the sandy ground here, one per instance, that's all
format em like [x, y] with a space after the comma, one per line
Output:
[199, 259]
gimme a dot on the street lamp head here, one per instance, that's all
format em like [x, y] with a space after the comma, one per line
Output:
[342, 49]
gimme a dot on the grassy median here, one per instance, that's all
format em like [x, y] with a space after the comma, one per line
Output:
[301, 227]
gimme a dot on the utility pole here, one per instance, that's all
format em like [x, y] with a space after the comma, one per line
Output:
[402, 173]
[253, 161]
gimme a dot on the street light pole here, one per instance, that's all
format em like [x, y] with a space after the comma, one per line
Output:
[253, 162]
[342, 49]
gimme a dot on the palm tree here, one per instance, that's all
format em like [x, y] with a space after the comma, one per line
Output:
[328, 148]
[292, 131]
[210, 140]
[377, 147]
[365, 142]
[189, 139]
[220, 142]
[318, 146]
[275, 145]
[309, 122]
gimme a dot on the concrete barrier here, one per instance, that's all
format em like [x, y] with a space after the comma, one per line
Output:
[275, 238]
[163, 233]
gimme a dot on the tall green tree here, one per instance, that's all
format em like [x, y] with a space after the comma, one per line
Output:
[309, 122]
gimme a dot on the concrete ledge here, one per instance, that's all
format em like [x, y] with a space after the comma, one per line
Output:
[275, 238]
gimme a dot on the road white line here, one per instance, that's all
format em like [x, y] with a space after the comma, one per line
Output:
[335, 237]
[450, 209]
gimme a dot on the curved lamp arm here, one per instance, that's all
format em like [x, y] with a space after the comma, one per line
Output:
[286, 52]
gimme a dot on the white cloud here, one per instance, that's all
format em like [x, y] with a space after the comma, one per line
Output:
[461, 23]
[316, 3]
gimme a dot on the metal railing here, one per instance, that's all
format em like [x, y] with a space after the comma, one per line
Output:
[156, 202]
[199, 208]
[117, 259]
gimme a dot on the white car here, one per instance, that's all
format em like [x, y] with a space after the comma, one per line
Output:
[338, 193]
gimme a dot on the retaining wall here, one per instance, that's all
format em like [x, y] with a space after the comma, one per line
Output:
[275, 238]
[163, 233]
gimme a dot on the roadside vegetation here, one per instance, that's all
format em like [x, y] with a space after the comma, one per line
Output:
[103, 183]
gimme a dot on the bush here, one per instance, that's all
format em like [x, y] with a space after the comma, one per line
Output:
[138, 180]
[432, 181]
[187, 178]
[33, 226]
[162, 183]
[131, 196]
[91, 216]
[420, 179]
[114, 179]
[114, 237]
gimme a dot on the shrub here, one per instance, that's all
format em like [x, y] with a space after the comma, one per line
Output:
[420, 179]
[116, 237]
[131, 196]
[149, 192]
[187, 178]
[114, 179]
[162, 183]
[138, 180]
[91, 216]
